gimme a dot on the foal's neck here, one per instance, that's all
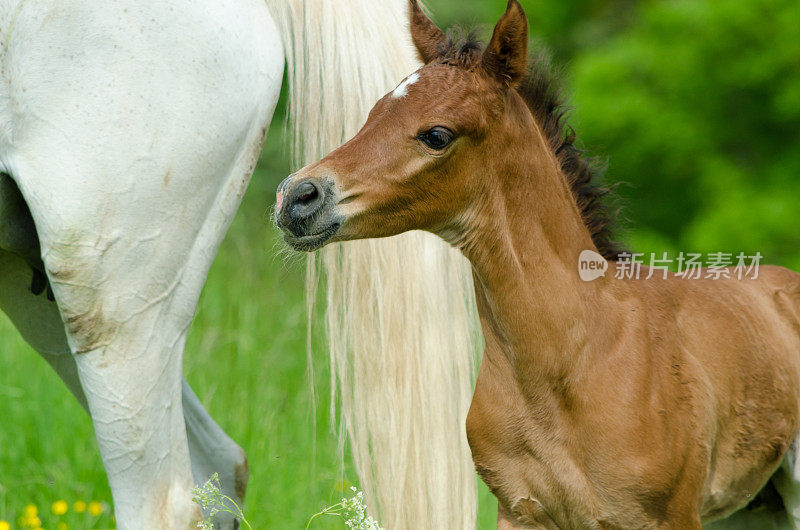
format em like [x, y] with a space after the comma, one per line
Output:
[524, 241]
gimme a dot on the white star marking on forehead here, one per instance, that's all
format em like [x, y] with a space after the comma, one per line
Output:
[402, 89]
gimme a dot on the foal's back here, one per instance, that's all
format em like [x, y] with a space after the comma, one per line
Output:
[732, 349]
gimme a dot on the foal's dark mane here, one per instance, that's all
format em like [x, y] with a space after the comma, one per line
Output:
[542, 93]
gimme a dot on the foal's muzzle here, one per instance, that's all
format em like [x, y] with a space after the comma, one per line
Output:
[304, 211]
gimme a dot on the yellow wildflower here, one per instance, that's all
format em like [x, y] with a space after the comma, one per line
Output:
[5, 525]
[60, 507]
[30, 521]
[79, 506]
[30, 511]
[61, 526]
[95, 508]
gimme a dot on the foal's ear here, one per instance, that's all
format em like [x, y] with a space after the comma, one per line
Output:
[506, 55]
[429, 39]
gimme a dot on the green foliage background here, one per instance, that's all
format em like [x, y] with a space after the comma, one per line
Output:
[695, 105]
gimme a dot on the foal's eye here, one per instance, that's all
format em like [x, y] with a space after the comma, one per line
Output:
[437, 138]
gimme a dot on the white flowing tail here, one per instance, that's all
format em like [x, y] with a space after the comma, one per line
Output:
[399, 310]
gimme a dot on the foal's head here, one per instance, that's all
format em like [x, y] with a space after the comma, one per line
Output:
[434, 152]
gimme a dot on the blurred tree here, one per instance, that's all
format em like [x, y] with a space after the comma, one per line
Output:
[697, 106]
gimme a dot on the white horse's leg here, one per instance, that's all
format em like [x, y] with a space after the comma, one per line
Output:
[134, 130]
[129, 355]
[128, 336]
[37, 319]
[212, 451]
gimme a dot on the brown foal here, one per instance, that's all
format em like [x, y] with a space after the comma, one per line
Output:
[616, 403]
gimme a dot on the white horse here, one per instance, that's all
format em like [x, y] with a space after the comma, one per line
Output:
[128, 133]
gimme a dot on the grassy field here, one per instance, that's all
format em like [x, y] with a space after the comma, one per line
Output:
[246, 360]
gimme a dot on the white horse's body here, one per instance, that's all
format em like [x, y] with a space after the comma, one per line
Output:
[131, 129]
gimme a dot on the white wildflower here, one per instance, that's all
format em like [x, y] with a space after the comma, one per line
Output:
[353, 511]
[213, 501]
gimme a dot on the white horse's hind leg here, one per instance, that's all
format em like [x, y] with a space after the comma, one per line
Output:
[37, 319]
[212, 451]
[127, 333]
[128, 354]
[130, 373]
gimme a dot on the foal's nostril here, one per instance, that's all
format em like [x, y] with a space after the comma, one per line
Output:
[303, 200]
[307, 193]
[305, 210]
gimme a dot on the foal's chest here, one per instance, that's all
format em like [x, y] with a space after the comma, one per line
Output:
[524, 462]
[543, 478]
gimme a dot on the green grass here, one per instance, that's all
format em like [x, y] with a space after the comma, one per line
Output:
[245, 358]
